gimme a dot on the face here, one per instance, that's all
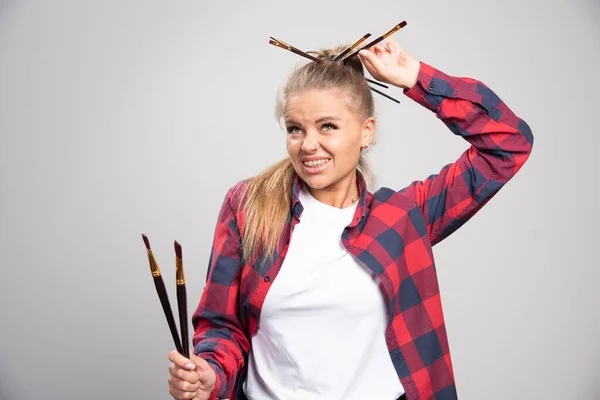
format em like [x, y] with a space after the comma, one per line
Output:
[325, 137]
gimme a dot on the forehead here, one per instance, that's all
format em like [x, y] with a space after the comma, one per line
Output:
[315, 103]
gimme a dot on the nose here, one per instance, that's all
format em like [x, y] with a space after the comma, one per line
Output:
[310, 143]
[309, 147]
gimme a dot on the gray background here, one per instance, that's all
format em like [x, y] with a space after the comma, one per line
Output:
[118, 118]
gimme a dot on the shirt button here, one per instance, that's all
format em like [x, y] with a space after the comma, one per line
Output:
[431, 86]
[298, 208]
[267, 279]
[253, 315]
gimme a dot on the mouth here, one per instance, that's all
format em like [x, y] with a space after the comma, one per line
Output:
[315, 166]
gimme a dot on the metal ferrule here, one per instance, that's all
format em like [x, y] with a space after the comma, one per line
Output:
[359, 41]
[393, 30]
[180, 277]
[153, 265]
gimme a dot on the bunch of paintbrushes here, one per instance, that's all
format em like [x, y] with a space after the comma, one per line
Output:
[343, 56]
[182, 345]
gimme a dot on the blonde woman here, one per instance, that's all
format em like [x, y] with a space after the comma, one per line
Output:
[318, 288]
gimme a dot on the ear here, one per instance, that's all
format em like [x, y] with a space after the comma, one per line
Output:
[368, 132]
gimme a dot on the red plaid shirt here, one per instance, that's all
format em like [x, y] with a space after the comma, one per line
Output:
[392, 233]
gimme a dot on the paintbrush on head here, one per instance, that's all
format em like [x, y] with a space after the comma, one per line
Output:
[283, 45]
[352, 47]
[395, 29]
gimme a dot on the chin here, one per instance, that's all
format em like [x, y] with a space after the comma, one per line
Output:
[316, 181]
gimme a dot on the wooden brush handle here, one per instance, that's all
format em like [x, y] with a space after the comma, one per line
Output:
[164, 301]
[183, 322]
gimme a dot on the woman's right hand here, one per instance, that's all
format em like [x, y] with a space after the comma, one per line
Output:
[190, 378]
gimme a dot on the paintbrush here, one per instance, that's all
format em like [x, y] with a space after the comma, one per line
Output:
[283, 45]
[162, 295]
[181, 300]
[395, 29]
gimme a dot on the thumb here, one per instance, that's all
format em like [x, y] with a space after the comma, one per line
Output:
[206, 374]
[373, 64]
[199, 362]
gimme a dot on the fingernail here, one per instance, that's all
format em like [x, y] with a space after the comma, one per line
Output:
[190, 366]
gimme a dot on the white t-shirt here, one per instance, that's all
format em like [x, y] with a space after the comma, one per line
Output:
[322, 326]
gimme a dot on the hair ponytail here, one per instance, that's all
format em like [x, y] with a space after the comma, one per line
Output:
[267, 201]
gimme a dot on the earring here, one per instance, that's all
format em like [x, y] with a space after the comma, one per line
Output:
[368, 144]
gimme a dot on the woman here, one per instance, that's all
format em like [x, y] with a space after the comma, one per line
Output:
[320, 289]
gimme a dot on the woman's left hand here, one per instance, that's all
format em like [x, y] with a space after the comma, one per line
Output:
[390, 63]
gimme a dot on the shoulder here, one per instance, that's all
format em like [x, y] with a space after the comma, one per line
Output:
[235, 193]
[403, 198]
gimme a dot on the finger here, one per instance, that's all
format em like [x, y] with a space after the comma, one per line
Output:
[374, 62]
[181, 395]
[382, 47]
[181, 361]
[185, 375]
[203, 368]
[391, 42]
[367, 63]
[200, 362]
[184, 386]
[393, 45]
[370, 50]
[369, 67]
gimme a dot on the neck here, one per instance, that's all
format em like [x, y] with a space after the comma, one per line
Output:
[341, 194]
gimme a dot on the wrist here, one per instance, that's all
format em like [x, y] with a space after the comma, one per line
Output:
[413, 76]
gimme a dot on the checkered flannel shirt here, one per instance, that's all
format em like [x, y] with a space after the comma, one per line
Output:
[392, 233]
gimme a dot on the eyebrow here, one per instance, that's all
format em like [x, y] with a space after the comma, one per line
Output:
[328, 119]
[322, 119]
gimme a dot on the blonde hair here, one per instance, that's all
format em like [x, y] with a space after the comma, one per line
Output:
[267, 197]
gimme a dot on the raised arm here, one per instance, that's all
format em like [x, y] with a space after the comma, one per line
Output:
[500, 141]
[220, 336]
[500, 144]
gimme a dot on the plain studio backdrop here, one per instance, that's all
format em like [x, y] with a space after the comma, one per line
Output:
[130, 117]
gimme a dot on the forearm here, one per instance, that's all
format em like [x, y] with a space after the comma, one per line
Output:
[500, 144]
[219, 331]
[473, 111]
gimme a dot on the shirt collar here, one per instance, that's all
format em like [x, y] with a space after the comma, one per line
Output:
[361, 209]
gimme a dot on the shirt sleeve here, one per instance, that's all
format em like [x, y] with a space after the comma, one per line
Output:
[219, 334]
[500, 143]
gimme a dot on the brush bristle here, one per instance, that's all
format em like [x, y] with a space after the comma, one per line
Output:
[146, 241]
[177, 249]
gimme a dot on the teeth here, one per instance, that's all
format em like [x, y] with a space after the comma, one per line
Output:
[317, 163]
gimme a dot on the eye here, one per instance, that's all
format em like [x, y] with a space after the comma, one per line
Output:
[293, 129]
[329, 126]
